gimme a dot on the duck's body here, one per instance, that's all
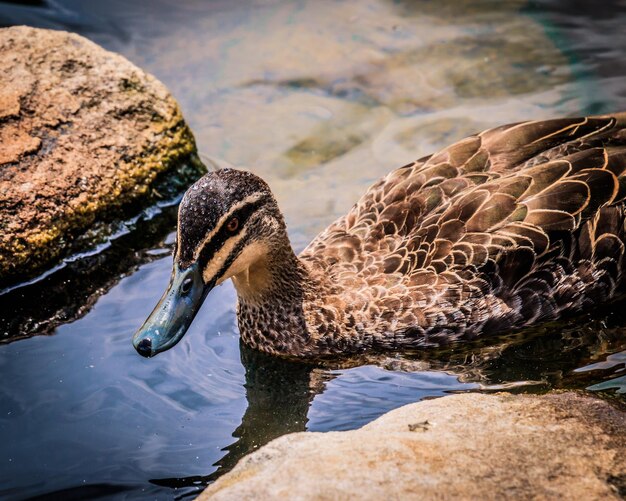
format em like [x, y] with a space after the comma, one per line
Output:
[514, 226]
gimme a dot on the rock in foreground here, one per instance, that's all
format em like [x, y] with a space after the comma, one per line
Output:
[84, 137]
[470, 446]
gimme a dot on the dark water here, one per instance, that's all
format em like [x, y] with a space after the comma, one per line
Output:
[314, 97]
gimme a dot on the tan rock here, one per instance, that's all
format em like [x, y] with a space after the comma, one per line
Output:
[9, 103]
[84, 135]
[469, 446]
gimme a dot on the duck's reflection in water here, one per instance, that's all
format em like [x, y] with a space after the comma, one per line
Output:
[279, 394]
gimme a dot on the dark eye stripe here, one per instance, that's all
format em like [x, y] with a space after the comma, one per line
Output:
[215, 244]
[229, 260]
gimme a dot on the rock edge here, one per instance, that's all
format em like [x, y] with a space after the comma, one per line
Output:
[467, 446]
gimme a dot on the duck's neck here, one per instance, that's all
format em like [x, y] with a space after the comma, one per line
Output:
[271, 292]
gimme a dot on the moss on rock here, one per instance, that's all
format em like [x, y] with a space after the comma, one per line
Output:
[85, 137]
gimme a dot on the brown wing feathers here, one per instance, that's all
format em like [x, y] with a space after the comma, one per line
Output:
[514, 225]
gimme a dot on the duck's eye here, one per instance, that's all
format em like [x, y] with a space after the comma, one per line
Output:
[186, 286]
[232, 225]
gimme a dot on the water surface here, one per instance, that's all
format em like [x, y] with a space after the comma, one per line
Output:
[320, 98]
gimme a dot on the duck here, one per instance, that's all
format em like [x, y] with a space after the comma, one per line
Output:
[514, 226]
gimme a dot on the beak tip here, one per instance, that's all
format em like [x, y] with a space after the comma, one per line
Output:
[144, 347]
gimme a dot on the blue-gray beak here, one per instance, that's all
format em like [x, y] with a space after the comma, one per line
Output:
[171, 318]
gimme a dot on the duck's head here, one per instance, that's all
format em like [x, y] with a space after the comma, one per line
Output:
[227, 222]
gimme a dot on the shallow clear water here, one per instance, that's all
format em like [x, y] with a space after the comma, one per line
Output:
[320, 98]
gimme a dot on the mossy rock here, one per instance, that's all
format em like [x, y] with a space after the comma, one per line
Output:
[86, 138]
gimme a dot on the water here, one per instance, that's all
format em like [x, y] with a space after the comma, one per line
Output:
[320, 98]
